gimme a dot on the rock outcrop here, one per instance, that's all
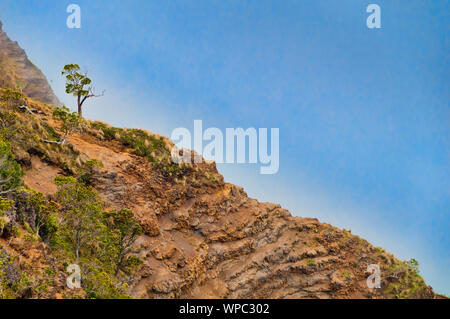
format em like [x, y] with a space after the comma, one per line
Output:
[213, 241]
[19, 73]
[204, 238]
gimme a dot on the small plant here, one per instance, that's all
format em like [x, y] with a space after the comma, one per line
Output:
[99, 284]
[8, 124]
[310, 262]
[87, 170]
[12, 98]
[10, 172]
[4, 206]
[30, 238]
[52, 134]
[146, 145]
[71, 121]
[408, 283]
[123, 232]
[347, 275]
[414, 265]
[109, 133]
[30, 207]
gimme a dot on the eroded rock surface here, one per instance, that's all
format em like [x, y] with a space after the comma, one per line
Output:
[19, 73]
[213, 241]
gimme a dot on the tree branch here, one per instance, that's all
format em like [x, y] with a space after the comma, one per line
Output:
[91, 94]
[3, 181]
[8, 191]
[54, 142]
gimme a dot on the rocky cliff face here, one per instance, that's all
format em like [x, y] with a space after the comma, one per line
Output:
[204, 238]
[210, 240]
[19, 73]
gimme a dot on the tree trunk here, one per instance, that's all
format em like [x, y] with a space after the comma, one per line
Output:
[119, 262]
[77, 254]
[80, 111]
[77, 246]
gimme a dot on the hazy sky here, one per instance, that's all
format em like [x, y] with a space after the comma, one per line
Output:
[364, 114]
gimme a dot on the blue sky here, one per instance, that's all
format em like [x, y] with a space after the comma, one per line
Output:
[364, 114]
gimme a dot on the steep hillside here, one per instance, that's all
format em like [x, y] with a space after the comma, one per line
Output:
[111, 201]
[202, 237]
[19, 73]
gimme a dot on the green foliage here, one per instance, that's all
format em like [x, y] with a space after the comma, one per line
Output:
[27, 133]
[10, 172]
[408, 283]
[99, 241]
[414, 265]
[123, 230]
[35, 211]
[4, 206]
[52, 134]
[346, 275]
[65, 180]
[48, 221]
[12, 281]
[78, 84]
[75, 81]
[12, 98]
[99, 284]
[84, 174]
[144, 144]
[71, 121]
[82, 216]
[148, 146]
[173, 170]
[8, 122]
[109, 133]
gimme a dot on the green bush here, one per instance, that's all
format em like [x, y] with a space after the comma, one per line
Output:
[109, 133]
[12, 98]
[99, 284]
[148, 146]
[10, 172]
[123, 230]
[82, 210]
[100, 242]
[408, 283]
[52, 134]
[84, 174]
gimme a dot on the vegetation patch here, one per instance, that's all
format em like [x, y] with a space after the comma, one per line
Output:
[146, 145]
[405, 281]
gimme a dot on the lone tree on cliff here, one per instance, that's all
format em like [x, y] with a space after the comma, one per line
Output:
[79, 85]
